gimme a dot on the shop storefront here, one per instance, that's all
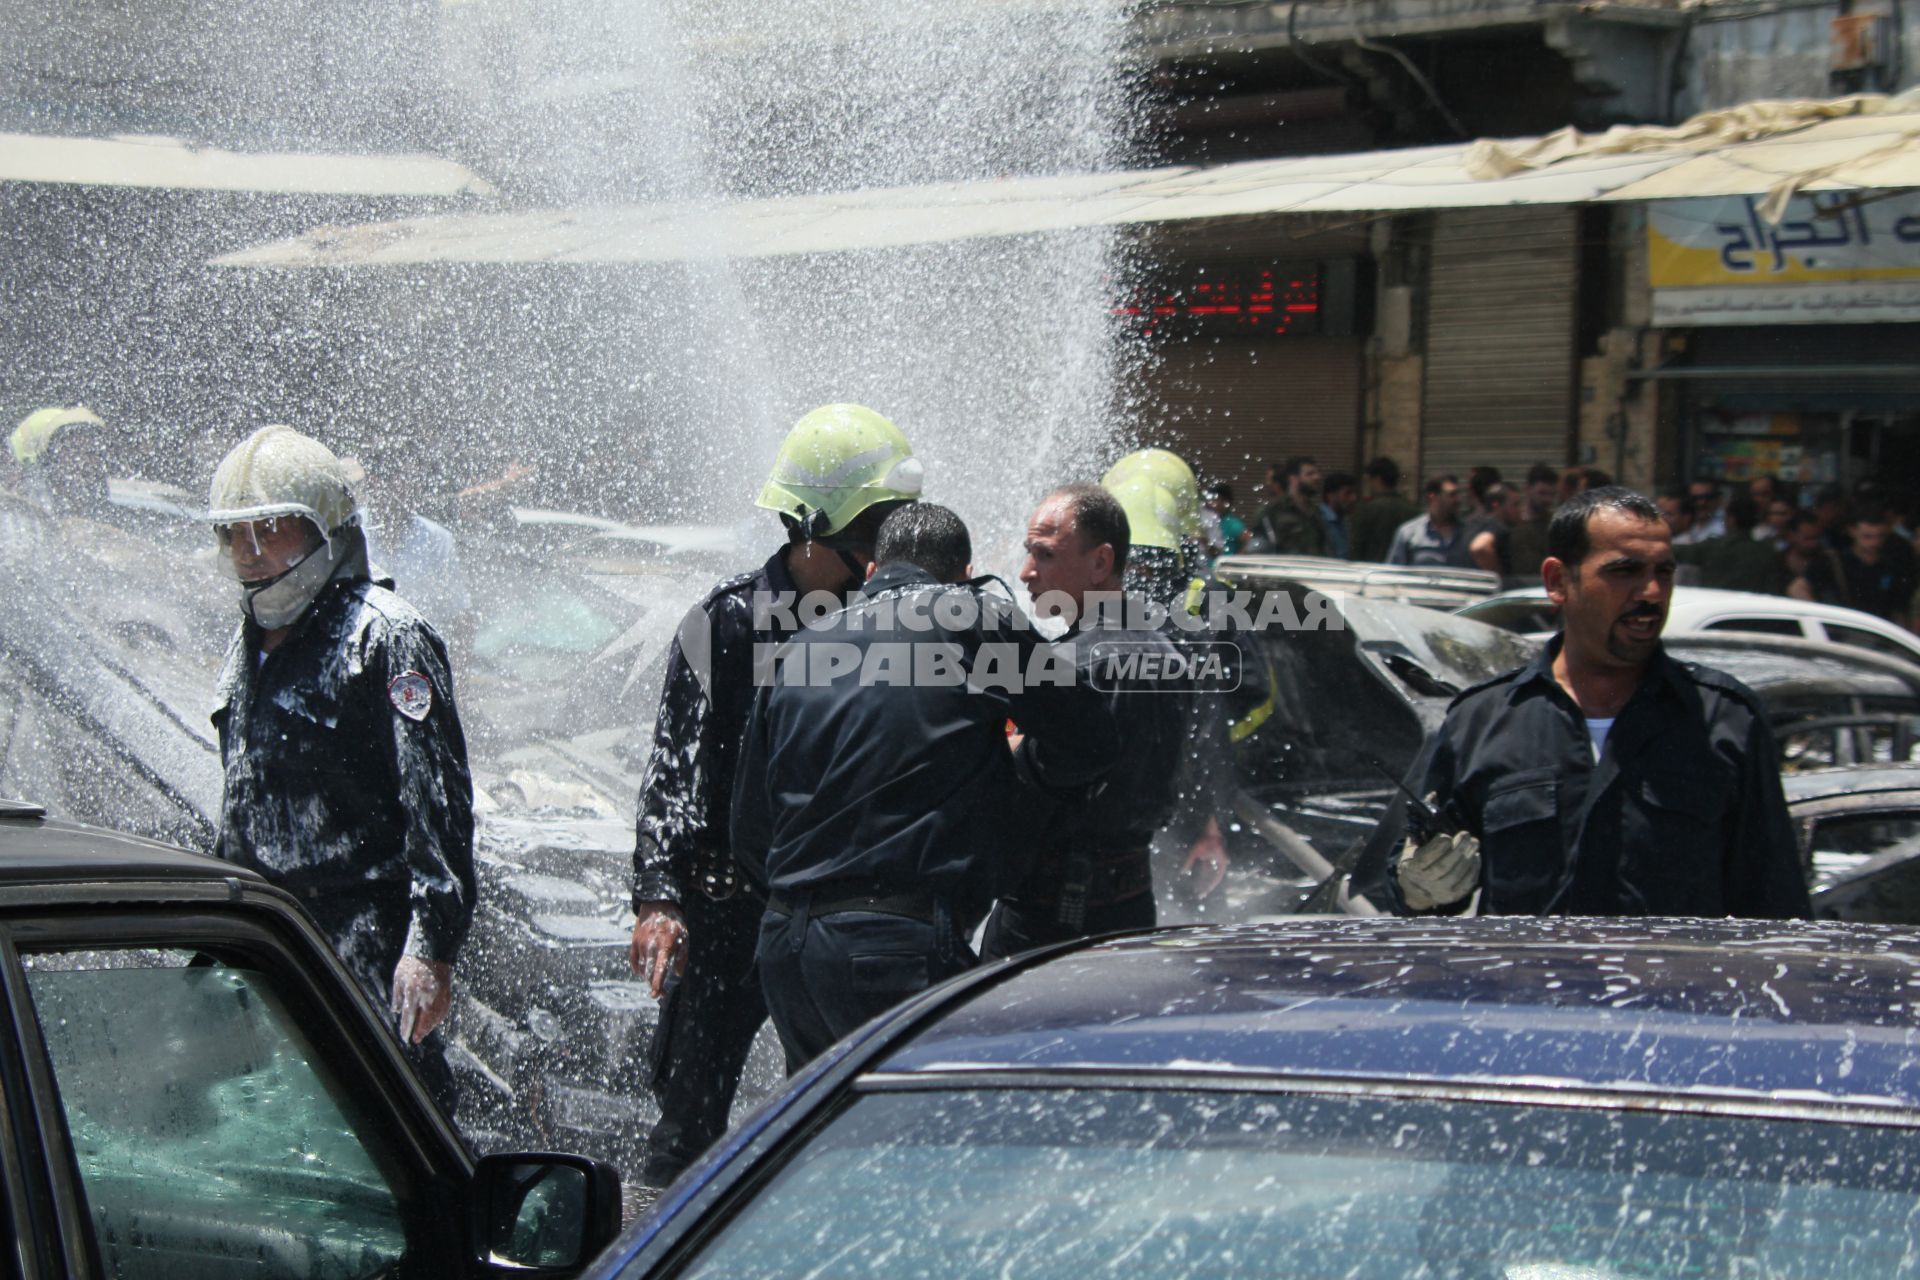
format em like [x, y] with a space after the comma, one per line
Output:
[1796, 343]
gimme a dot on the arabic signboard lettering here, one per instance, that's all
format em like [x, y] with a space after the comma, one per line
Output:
[1834, 258]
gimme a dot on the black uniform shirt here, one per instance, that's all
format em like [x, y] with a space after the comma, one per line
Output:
[682, 843]
[1683, 814]
[854, 783]
[1140, 674]
[346, 777]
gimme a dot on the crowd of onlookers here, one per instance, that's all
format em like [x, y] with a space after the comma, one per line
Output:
[1827, 543]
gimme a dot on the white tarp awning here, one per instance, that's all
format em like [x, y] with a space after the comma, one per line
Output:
[1810, 151]
[131, 160]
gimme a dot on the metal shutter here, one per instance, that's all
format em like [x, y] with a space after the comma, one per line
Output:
[1500, 371]
[1232, 406]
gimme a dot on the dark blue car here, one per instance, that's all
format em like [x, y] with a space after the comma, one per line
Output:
[1359, 1098]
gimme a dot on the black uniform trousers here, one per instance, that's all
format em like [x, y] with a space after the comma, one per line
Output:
[825, 975]
[706, 1028]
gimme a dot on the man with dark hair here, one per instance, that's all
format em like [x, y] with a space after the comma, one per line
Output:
[1734, 561]
[1077, 517]
[1435, 539]
[1275, 484]
[1577, 480]
[1777, 515]
[1676, 507]
[876, 799]
[1381, 513]
[1807, 556]
[1527, 543]
[1340, 494]
[1603, 778]
[1477, 505]
[1830, 511]
[1867, 575]
[1093, 873]
[1489, 539]
[1709, 520]
[841, 470]
[1290, 525]
[1224, 530]
[927, 535]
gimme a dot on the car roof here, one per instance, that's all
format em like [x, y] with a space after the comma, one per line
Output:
[1760, 661]
[1809, 1012]
[1692, 603]
[1433, 587]
[35, 849]
[1850, 780]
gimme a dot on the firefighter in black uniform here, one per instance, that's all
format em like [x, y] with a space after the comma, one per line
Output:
[1604, 778]
[840, 470]
[1093, 873]
[346, 769]
[877, 796]
[1164, 566]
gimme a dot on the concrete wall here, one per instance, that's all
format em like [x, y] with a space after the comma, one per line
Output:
[1737, 52]
[1393, 410]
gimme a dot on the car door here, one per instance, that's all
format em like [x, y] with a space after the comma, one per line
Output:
[1863, 856]
[204, 1107]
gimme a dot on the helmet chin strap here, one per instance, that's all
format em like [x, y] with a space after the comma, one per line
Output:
[812, 525]
[856, 571]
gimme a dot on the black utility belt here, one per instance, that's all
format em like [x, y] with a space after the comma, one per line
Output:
[913, 906]
[1097, 877]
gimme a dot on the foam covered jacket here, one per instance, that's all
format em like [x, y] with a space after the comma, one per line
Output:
[683, 841]
[849, 786]
[1683, 815]
[336, 793]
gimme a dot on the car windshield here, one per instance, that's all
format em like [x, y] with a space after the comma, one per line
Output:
[1075, 1182]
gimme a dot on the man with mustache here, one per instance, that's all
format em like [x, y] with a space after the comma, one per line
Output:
[1604, 778]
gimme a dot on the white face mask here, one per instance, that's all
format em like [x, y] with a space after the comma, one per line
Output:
[279, 601]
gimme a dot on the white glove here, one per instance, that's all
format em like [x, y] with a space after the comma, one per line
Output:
[1443, 872]
[422, 996]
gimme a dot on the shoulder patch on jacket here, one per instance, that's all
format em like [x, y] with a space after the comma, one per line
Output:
[411, 695]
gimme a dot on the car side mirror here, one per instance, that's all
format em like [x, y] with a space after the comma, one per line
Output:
[542, 1215]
